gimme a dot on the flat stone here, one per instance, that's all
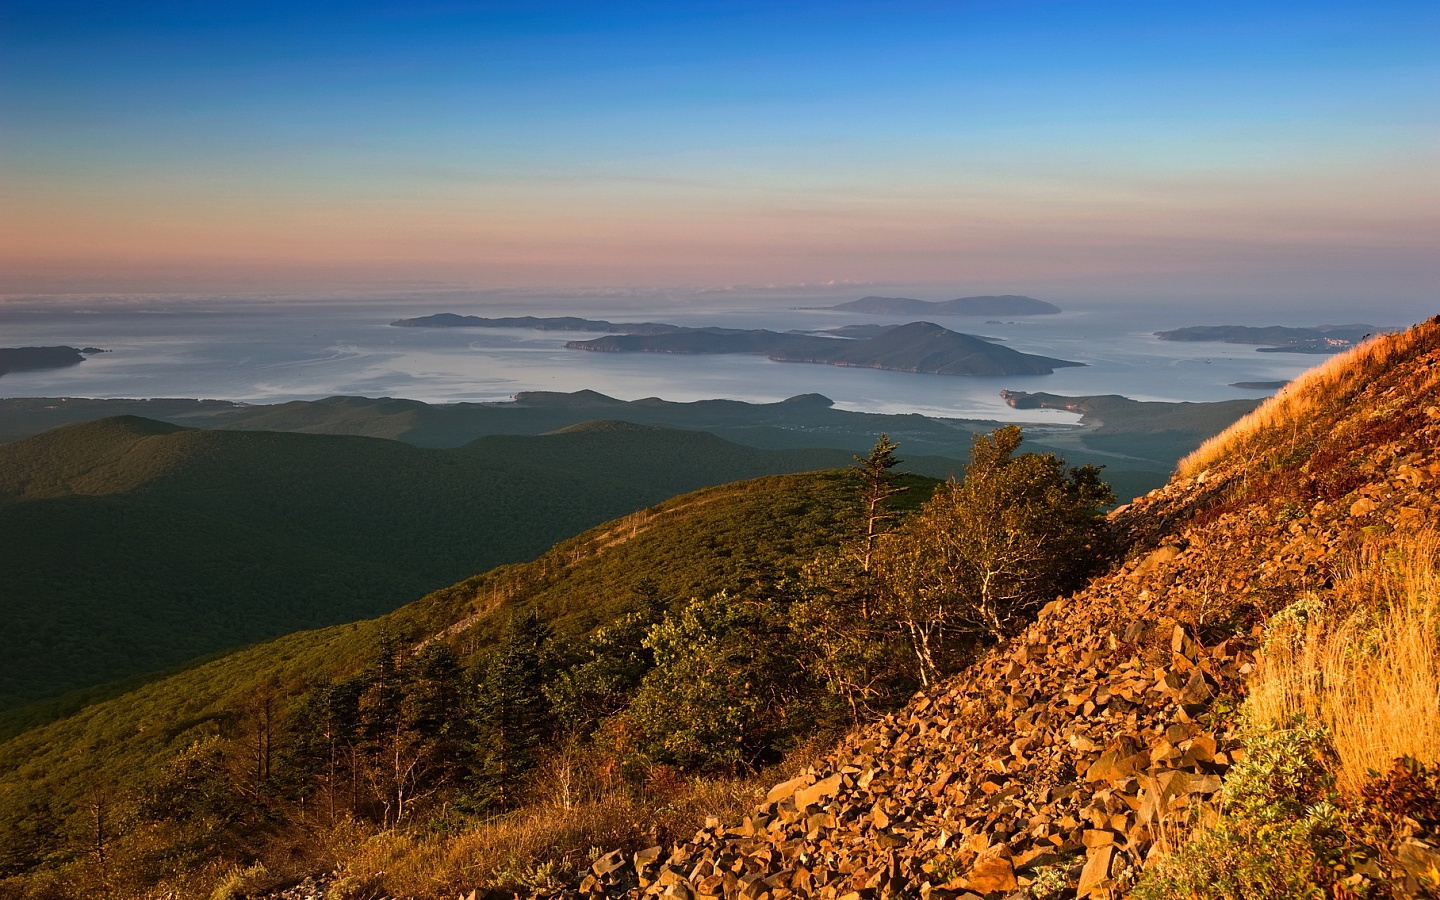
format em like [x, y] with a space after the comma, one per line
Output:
[992, 874]
[816, 792]
[1420, 860]
[1096, 873]
[785, 789]
[1363, 507]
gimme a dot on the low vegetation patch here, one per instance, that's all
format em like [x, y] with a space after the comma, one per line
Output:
[1339, 783]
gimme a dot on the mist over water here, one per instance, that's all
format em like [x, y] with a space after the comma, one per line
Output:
[270, 350]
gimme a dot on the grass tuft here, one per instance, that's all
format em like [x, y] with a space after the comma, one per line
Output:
[1366, 666]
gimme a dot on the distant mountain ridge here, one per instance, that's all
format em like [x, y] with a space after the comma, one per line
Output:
[990, 305]
[807, 420]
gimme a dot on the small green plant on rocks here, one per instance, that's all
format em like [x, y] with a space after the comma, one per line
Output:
[1278, 835]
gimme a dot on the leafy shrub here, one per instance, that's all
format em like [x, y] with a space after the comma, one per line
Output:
[1277, 838]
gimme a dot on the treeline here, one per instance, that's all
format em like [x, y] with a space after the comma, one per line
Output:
[426, 734]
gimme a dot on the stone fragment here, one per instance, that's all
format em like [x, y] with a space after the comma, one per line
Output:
[813, 794]
[785, 789]
[608, 863]
[992, 874]
[1096, 874]
[1421, 862]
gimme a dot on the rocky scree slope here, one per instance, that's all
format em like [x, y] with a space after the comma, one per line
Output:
[1055, 764]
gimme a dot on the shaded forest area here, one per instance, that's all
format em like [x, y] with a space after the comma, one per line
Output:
[779, 613]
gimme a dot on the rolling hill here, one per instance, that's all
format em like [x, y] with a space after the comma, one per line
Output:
[133, 545]
[693, 545]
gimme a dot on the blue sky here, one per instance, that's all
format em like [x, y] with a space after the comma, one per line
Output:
[1255, 147]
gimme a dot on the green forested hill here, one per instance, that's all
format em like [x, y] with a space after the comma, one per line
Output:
[129, 545]
[693, 545]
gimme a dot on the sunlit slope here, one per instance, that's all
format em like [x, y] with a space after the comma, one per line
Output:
[1245, 706]
[131, 545]
[692, 545]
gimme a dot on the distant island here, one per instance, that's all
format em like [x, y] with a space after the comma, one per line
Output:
[1259, 385]
[1001, 305]
[922, 347]
[1277, 338]
[870, 331]
[553, 323]
[22, 359]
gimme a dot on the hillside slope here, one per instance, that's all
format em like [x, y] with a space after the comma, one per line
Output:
[693, 545]
[133, 545]
[1085, 750]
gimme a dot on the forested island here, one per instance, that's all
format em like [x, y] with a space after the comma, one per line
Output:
[536, 323]
[922, 347]
[916, 347]
[1277, 338]
[21, 359]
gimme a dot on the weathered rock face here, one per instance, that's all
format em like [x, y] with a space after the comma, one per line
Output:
[1060, 757]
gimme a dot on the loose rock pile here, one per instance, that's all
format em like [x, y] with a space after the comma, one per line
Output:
[1056, 764]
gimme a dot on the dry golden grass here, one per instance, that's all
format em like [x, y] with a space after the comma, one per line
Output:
[541, 845]
[1290, 415]
[1365, 665]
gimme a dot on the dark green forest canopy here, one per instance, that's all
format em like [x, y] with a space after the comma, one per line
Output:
[694, 545]
[132, 545]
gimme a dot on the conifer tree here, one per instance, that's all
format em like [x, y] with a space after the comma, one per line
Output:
[877, 487]
[848, 648]
[512, 715]
[436, 709]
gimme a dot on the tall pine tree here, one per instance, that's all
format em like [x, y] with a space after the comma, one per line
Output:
[512, 716]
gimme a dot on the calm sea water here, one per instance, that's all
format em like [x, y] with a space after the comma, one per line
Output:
[268, 350]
